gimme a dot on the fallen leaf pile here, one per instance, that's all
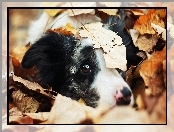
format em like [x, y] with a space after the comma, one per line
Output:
[148, 29]
[147, 79]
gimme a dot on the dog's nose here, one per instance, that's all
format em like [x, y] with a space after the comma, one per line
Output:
[123, 97]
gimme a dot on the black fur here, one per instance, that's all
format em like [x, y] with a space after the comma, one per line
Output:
[53, 56]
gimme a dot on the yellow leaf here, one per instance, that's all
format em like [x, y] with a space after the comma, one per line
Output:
[70, 28]
[53, 12]
[81, 101]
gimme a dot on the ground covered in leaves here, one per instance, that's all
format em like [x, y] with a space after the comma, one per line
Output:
[31, 103]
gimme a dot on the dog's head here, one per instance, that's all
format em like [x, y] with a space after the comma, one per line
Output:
[75, 69]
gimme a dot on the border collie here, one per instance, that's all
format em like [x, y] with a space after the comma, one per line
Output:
[73, 68]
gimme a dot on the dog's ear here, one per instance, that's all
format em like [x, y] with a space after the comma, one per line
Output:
[49, 55]
[49, 48]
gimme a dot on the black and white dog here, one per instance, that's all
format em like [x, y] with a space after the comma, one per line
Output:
[73, 68]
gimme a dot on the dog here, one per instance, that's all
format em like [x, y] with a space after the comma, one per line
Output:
[73, 68]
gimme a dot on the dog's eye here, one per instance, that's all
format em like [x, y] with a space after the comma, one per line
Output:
[85, 68]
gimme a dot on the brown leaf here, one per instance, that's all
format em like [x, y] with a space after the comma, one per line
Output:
[15, 112]
[24, 102]
[15, 62]
[143, 24]
[68, 27]
[18, 52]
[151, 71]
[156, 107]
[31, 85]
[20, 120]
[60, 30]
[29, 74]
[146, 42]
[29, 97]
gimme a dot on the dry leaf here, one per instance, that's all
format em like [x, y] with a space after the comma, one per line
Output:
[41, 116]
[159, 114]
[137, 12]
[110, 42]
[129, 74]
[68, 111]
[146, 42]
[143, 24]
[61, 30]
[164, 71]
[138, 88]
[30, 85]
[109, 11]
[29, 74]
[151, 71]
[140, 102]
[70, 28]
[20, 120]
[134, 34]
[119, 115]
[19, 51]
[159, 30]
[15, 112]
[29, 97]
[123, 115]
[24, 103]
[81, 101]
[156, 107]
